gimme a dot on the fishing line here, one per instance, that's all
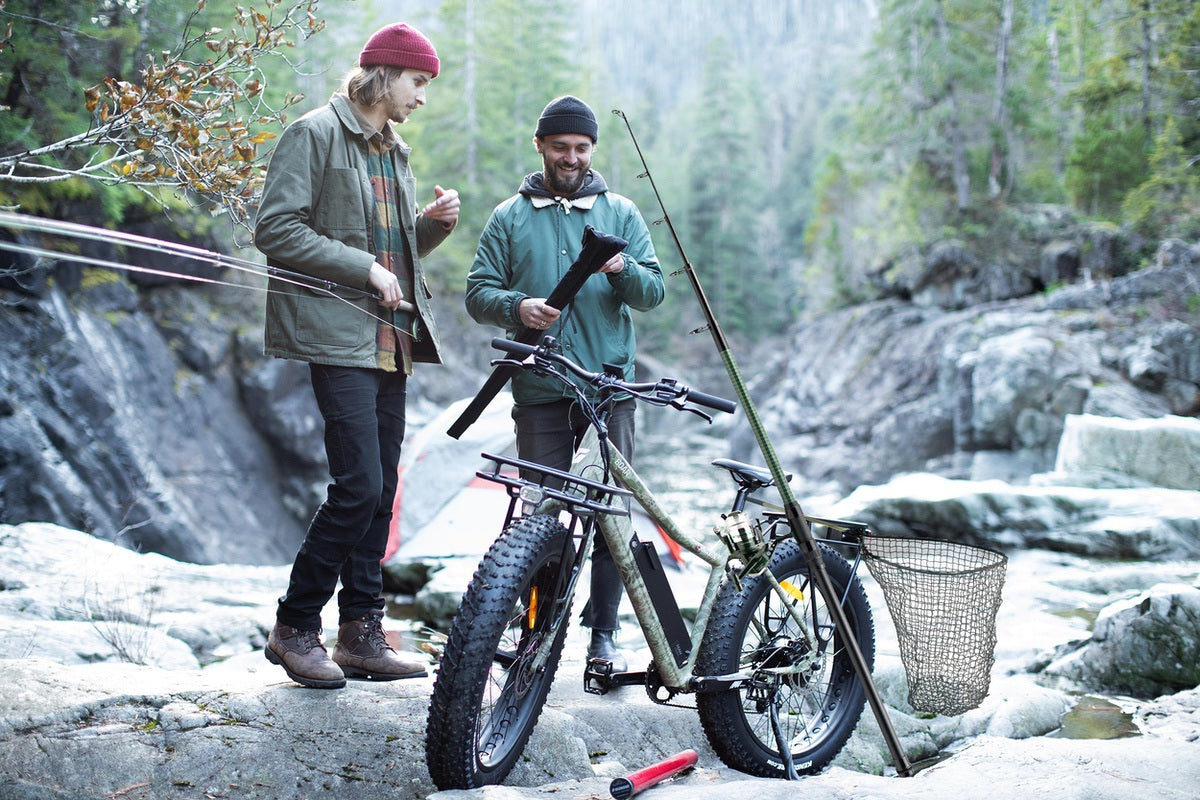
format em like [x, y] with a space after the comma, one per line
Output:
[88, 233]
[77, 230]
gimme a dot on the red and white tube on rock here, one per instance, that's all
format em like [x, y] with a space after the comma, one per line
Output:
[624, 788]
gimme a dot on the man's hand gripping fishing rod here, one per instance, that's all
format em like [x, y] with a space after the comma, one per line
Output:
[597, 249]
[795, 515]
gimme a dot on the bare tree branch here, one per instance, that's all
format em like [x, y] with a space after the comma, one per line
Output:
[189, 125]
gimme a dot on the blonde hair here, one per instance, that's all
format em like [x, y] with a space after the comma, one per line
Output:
[368, 85]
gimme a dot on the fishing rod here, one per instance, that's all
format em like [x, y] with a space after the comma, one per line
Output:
[76, 230]
[795, 515]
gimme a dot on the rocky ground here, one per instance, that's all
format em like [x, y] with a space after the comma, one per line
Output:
[209, 717]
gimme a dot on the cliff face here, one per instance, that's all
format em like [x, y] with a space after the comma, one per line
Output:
[123, 415]
[856, 396]
[146, 414]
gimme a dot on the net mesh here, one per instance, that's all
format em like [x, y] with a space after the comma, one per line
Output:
[943, 598]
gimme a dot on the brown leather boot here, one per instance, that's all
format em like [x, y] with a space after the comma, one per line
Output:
[303, 657]
[362, 651]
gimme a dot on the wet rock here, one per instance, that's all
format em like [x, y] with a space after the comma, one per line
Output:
[1145, 646]
[436, 603]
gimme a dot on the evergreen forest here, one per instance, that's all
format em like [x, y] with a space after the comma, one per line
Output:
[799, 146]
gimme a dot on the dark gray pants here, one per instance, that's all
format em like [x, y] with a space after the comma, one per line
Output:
[548, 433]
[364, 430]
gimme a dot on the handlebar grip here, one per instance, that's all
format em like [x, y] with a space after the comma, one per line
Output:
[514, 348]
[711, 401]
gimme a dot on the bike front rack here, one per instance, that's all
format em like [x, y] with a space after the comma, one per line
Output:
[581, 496]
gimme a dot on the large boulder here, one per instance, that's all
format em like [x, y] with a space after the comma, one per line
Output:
[1145, 646]
[77, 599]
[1114, 523]
[1159, 452]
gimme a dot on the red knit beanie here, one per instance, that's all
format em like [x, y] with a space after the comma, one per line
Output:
[399, 45]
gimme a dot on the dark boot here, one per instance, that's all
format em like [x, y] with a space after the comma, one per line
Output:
[604, 646]
[303, 657]
[362, 651]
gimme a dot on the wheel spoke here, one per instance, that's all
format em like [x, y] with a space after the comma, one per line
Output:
[795, 665]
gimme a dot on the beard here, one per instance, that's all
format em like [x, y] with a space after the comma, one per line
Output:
[562, 184]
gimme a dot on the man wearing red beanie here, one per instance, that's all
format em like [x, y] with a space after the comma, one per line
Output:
[339, 204]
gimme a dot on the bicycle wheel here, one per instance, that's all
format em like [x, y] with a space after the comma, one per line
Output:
[818, 696]
[489, 691]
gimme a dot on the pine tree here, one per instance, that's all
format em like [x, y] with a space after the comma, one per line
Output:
[502, 61]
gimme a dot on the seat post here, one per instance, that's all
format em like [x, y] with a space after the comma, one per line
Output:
[739, 501]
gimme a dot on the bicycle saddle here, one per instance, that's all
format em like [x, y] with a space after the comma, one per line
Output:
[748, 475]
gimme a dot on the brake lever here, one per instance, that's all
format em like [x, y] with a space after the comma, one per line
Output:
[679, 404]
[540, 366]
[506, 362]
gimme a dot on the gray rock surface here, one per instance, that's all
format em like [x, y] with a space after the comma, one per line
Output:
[77, 722]
[1161, 452]
[859, 395]
[1109, 523]
[1145, 646]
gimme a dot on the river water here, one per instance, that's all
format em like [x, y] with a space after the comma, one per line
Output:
[677, 467]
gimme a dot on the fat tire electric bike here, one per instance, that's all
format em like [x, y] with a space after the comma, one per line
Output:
[774, 688]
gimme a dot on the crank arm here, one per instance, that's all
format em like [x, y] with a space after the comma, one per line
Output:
[720, 683]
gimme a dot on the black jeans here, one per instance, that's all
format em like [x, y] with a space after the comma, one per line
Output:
[547, 433]
[364, 429]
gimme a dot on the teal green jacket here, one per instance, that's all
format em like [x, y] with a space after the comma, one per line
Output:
[525, 250]
[315, 218]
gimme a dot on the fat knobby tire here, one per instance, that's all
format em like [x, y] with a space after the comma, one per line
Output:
[820, 706]
[490, 642]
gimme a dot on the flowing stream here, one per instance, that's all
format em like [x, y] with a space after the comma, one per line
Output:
[678, 469]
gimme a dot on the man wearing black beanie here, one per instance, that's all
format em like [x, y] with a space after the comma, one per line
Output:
[527, 245]
[567, 114]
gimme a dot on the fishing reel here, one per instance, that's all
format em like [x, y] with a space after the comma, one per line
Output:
[744, 538]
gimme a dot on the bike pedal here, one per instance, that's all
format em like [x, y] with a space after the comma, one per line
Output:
[597, 676]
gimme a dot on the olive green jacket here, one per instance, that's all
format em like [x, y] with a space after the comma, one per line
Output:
[316, 218]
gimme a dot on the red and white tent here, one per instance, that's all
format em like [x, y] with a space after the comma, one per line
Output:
[443, 510]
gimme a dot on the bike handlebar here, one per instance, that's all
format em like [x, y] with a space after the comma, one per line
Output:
[711, 401]
[665, 389]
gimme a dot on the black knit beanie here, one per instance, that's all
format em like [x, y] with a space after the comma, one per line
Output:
[567, 114]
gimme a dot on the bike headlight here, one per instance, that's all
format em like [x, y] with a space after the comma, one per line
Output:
[531, 495]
